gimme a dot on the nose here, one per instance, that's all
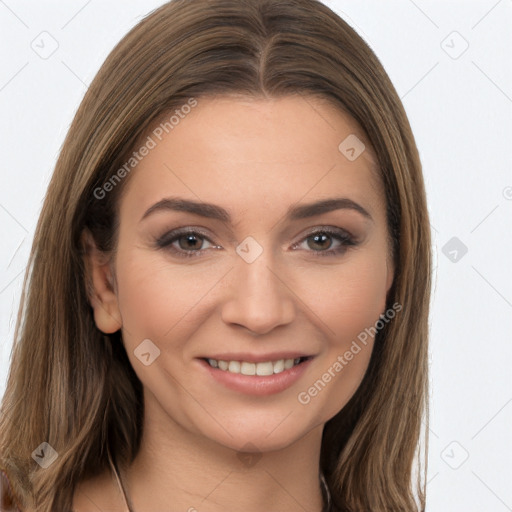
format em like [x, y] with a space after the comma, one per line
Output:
[259, 299]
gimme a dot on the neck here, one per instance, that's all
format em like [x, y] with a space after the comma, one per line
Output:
[179, 469]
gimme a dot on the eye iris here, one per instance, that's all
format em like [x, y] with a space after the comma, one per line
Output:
[190, 240]
[319, 239]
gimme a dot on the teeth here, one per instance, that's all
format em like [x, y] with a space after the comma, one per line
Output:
[279, 366]
[234, 367]
[265, 368]
[247, 368]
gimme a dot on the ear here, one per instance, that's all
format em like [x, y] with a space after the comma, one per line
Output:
[100, 286]
[390, 275]
[390, 267]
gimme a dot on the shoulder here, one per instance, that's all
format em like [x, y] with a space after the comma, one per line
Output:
[7, 500]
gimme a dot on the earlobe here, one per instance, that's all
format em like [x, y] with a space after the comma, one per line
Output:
[390, 276]
[99, 284]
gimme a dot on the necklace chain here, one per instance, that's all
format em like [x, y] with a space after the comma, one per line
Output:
[325, 491]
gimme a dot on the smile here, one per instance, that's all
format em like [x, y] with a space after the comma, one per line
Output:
[265, 368]
[249, 374]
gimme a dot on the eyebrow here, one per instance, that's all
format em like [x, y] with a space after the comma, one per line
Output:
[213, 211]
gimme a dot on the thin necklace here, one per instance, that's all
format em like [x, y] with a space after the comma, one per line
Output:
[129, 507]
[127, 501]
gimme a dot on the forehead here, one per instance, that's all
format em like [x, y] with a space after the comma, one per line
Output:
[241, 152]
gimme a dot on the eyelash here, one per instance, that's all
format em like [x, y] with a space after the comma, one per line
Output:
[346, 240]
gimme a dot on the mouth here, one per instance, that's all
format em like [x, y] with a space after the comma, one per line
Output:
[261, 375]
[261, 369]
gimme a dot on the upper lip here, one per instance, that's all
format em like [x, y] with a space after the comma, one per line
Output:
[256, 358]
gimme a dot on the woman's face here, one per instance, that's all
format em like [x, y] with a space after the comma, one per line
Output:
[246, 264]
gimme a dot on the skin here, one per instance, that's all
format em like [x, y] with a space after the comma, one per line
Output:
[255, 158]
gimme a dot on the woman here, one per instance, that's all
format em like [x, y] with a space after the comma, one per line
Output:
[228, 299]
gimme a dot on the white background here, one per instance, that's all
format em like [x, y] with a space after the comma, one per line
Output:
[459, 102]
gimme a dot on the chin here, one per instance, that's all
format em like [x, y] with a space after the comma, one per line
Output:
[259, 432]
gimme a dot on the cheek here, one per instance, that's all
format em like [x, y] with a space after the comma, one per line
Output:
[155, 296]
[161, 300]
[148, 302]
[351, 296]
[353, 299]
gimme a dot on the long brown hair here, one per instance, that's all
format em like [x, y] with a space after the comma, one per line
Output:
[73, 387]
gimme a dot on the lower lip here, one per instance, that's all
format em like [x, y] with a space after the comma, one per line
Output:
[257, 384]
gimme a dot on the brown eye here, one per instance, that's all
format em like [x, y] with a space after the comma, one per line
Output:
[328, 242]
[184, 243]
[320, 241]
[189, 242]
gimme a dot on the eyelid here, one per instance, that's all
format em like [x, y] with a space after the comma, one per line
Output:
[169, 237]
[343, 236]
[330, 230]
[201, 231]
